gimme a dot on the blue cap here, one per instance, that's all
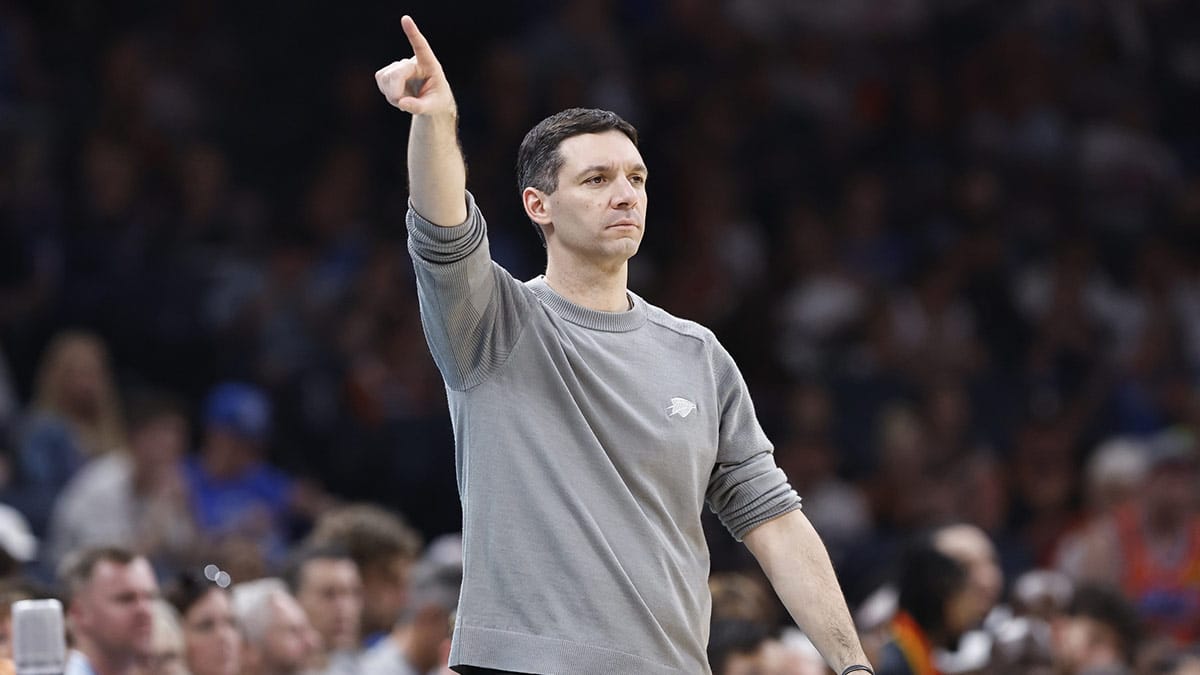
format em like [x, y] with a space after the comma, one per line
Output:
[240, 408]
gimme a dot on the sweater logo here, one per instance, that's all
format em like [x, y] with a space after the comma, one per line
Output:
[680, 406]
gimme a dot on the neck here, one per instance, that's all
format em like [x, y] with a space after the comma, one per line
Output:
[404, 638]
[598, 287]
[104, 663]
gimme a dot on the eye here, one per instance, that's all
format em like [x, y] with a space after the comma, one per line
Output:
[637, 179]
[594, 180]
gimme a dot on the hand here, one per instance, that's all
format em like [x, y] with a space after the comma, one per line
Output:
[417, 85]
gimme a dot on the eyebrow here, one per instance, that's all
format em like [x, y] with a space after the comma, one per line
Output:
[608, 168]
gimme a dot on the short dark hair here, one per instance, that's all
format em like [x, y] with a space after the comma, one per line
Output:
[538, 159]
[147, 406]
[1108, 606]
[928, 580]
[188, 588]
[370, 534]
[293, 572]
[78, 567]
[734, 636]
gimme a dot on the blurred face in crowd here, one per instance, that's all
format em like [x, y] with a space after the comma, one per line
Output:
[1171, 490]
[969, 546]
[80, 377]
[156, 448]
[598, 211]
[330, 591]
[1081, 642]
[114, 611]
[384, 592]
[211, 635]
[768, 659]
[288, 643]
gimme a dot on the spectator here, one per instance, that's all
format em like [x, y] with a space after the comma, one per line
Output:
[76, 415]
[110, 611]
[141, 492]
[1113, 477]
[328, 586]
[384, 548]
[1150, 549]
[236, 495]
[737, 647]
[420, 640]
[168, 649]
[1097, 635]
[277, 638]
[211, 643]
[935, 609]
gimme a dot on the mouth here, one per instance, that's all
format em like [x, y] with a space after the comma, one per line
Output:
[620, 224]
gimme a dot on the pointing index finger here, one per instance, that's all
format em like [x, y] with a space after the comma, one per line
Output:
[420, 45]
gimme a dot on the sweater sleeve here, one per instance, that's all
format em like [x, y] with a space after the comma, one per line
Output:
[472, 309]
[746, 488]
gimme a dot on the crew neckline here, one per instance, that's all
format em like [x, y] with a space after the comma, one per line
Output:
[613, 322]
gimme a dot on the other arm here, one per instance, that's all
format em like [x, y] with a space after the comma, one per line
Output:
[791, 553]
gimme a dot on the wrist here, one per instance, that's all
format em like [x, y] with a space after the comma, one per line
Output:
[857, 668]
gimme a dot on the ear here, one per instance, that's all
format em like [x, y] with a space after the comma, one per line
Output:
[537, 206]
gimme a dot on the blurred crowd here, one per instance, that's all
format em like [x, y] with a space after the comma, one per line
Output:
[954, 246]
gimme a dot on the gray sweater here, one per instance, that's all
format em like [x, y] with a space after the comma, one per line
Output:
[587, 444]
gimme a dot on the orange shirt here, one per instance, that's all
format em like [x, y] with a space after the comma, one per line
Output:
[1166, 594]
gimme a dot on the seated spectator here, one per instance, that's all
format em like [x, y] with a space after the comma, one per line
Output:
[1150, 548]
[936, 606]
[75, 415]
[1097, 635]
[110, 594]
[327, 585]
[141, 492]
[277, 638]
[420, 640]
[211, 643]
[384, 548]
[235, 494]
[737, 647]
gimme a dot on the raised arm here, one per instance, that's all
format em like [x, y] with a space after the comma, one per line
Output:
[794, 559]
[437, 175]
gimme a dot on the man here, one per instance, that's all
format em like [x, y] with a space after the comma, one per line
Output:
[277, 636]
[591, 427]
[327, 585]
[937, 605]
[740, 647]
[235, 493]
[141, 491]
[1150, 548]
[384, 547]
[1097, 635]
[416, 644]
[110, 611]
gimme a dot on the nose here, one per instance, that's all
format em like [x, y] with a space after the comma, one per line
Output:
[625, 194]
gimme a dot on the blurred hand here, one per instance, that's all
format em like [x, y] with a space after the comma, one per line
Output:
[417, 84]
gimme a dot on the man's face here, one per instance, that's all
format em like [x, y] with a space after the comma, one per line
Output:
[115, 610]
[290, 640]
[385, 589]
[331, 593]
[598, 212]
[985, 581]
